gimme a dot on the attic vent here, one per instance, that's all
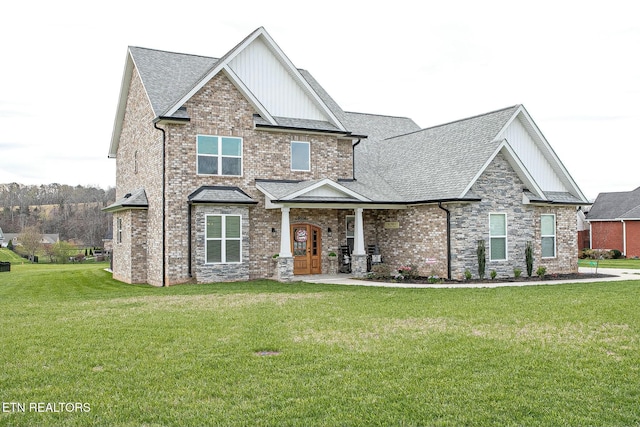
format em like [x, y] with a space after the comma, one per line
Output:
[126, 196]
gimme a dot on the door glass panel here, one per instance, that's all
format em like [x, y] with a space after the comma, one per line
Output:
[300, 241]
[314, 243]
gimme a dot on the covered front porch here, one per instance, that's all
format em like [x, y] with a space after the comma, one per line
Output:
[319, 218]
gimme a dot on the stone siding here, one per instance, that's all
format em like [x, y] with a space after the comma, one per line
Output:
[209, 273]
[501, 190]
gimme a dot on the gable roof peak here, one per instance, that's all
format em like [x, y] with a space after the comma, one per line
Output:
[477, 116]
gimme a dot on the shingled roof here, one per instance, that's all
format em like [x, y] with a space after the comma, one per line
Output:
[167, 76]
[433, 163]
[394, 159]
[616, 206]
[135, 200]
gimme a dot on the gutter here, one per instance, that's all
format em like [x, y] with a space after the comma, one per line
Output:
[164, 225]
[448, 239]
[376, 202]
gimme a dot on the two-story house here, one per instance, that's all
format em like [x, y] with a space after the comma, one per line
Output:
[224, 162]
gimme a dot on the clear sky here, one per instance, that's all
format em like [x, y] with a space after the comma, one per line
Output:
[575, 66]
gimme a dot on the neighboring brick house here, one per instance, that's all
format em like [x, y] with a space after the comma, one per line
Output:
[224, 162]
[615, 222]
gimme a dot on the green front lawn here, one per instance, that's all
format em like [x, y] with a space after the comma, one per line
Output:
[611, 263]
[265, 353]
[7, 255]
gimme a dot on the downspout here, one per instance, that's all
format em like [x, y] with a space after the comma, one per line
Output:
[624, 238]
[448, 239]
[164, 179]
[353, 159]
[189, 239]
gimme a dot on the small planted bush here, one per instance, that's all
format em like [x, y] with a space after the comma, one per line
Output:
[528, 255]
[493, 274]
[541, 271]
[615, 254]
[482, 259]
[379, 271]
[467, 274]
[517, 272]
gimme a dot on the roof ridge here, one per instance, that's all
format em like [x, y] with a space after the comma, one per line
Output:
[456, 121]
[379, 115]
[474, 117]
[173, 52]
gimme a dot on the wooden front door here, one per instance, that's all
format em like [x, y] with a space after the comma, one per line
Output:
[306, 246]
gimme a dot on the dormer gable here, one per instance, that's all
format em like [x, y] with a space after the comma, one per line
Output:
[536, 155]
[269, 80]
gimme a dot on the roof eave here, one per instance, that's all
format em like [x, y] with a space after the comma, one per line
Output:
[293, 129]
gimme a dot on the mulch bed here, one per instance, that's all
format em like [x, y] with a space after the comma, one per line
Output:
[547, 277]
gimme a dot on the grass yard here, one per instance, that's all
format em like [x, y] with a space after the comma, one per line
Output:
[611, 263]
[7, 255]
[264, 353]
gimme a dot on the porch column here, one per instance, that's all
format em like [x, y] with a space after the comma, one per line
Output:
[358, 235]
[285, 234]
[359, 256]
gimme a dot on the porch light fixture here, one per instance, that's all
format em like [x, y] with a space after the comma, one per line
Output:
[273, 231]
[329, 231]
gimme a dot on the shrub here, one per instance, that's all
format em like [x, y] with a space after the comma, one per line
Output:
[482, 260]
[408, 271]
[380, 271]
[528, 255]
[615, 254]
[586, 253]
[467, 274]
[541, 271]
[493, 274]
[517, 272]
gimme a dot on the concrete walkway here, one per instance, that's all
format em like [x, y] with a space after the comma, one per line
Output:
[345, 279]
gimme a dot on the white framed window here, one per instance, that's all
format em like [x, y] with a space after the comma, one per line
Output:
[219, 155]
[300, 156]
[223, 237]
[548, 235]
[497, 236]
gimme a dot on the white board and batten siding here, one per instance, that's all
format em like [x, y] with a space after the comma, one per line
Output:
[531, 155]
[273, 84]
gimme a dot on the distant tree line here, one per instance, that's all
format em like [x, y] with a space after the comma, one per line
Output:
[75, 213]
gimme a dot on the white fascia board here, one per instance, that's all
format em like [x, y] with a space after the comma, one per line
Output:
[515, 162]
[239, 84]
[522, 170]
[265, 192]
[548, 149]
[122, 104]
[223, 63]
[218, 67]
[301, 80]
[328, 182]
[335, 205]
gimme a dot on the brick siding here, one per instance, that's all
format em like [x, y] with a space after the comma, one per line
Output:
[220, 109]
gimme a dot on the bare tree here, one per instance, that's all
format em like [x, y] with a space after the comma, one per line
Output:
[30, 238]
